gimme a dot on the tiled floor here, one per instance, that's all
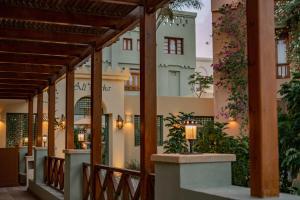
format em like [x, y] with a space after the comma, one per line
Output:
[15, 193]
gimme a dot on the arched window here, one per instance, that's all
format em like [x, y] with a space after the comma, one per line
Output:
[83, 106]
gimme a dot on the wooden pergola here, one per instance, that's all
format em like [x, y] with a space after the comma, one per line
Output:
[41, 41]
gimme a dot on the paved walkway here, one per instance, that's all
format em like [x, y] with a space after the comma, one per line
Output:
[15, 193]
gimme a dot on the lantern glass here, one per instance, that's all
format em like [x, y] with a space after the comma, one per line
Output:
[80, 137]
[120, 122]
[44, 138]
[25, 140]
[190, 132]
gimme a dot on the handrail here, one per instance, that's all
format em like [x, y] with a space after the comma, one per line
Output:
[54, 172]
[114, 183]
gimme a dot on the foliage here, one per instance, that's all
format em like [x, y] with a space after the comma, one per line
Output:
[176, 142]
[213, 139]
[76, 142]
[288, 16]
[289, 134]
[168, 11]
[232, 65]
[200, 83]
[133, 165]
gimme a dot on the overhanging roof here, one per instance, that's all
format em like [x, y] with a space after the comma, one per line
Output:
[41, 39]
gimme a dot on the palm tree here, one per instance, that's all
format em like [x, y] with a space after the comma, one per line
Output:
[168, 11]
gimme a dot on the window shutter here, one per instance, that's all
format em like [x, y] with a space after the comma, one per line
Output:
[137, 130]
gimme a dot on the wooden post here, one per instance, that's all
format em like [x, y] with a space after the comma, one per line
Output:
[30, 126]
[51, 119]
[39, 121]
[147, 98]
[96, 114]
[264, 164]
[69, 110]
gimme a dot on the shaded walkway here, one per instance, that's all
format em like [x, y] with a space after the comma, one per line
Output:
[15, 193]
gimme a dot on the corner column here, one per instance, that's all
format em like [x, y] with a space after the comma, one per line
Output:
[96, 114]
[147, 99]
[51, 119]
[30, 126]
[69, 110]
[264, 166]
[39, 142]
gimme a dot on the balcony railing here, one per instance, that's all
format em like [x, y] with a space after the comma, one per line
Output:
[54, 172]
[114, 183]
[283, 71]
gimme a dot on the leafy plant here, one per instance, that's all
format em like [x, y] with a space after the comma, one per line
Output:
[133, 165]
[289, 134]
[200, 83]
[213, 139]
[176, 142]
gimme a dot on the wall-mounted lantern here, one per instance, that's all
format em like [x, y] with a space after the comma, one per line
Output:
[190, 133]
[120, 122]
[45, 140]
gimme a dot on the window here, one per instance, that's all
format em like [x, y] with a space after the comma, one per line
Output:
[83, 106]
[137, 130]
[133, 84]
[173, 45]
[283, 69]
[138, 44]
[127, 44]
[17, 128]
[203, 119]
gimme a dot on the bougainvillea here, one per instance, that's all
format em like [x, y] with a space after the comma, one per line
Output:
[232, 63]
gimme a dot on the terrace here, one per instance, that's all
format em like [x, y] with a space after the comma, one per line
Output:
[41, 42]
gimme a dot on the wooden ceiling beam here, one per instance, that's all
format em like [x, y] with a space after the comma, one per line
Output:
[110, 37]
[41, 48]
[122, 2]
[19, 86]
[46, 16]
[153, 5]
[34, 59]
[44, 36]
[23, 68]
[26, 76]
[41, 83]
[14, 97]
[5, 93]
[19, 91]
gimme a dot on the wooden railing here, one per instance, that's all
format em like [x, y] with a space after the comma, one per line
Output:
[283, 71]
[114, 183]
[54, 172]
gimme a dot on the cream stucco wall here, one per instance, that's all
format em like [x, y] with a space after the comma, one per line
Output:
[165, 105]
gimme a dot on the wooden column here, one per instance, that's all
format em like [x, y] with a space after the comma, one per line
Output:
[264, 166]
[30, 126]
[51, 119]
[39, 121]
[147, 98]
[96, 113]
[69, 110]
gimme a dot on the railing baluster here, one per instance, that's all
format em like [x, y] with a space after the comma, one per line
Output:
[115, 184]
[54, 172]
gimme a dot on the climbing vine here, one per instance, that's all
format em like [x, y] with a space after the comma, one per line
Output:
[232, 63]
[287, 15]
